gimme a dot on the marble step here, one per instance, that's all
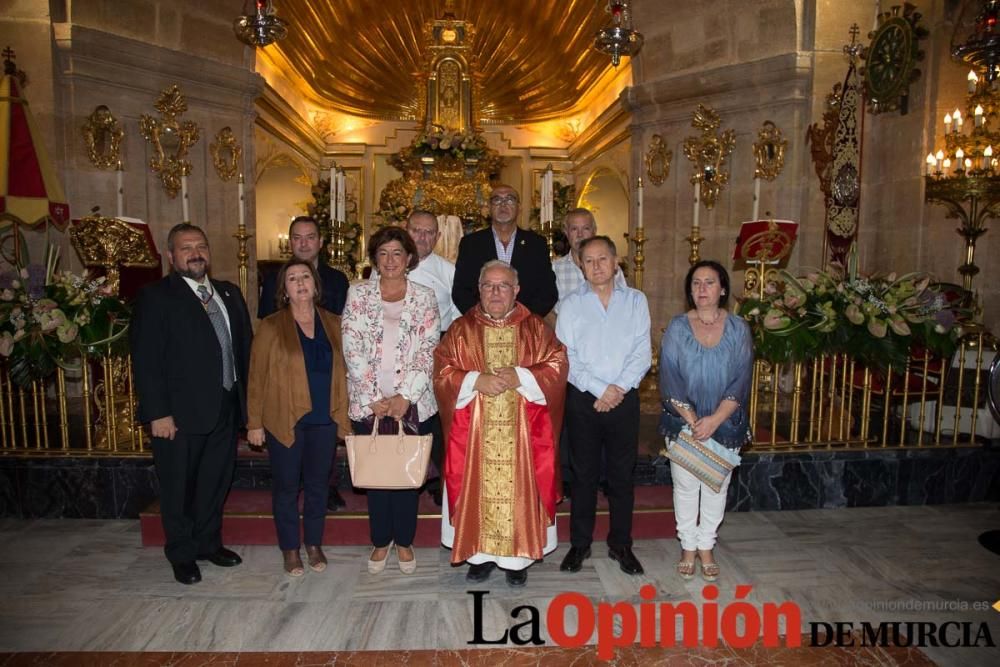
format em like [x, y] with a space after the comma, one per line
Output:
[248, 519]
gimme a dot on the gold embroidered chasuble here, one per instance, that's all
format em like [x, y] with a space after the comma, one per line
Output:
[501, 464]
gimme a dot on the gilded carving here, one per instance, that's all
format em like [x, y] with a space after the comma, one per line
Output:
[708, 154]
[226, 154]
[170, 139]
[111, 244]
[658, 160]
[769, 152]
[103, 134]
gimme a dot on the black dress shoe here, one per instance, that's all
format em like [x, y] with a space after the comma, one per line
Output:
[480, 572]
[187, 573]
[436, 497]
[517, 577]
[222, 557]
[574, 559]
[626, 560]
[335, 501]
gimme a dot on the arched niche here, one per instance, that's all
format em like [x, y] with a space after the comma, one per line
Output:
[283, 189]
[605, 194]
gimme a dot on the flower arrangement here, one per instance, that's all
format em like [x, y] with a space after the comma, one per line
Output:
[874, 319]
[440, 141]
[50, 319]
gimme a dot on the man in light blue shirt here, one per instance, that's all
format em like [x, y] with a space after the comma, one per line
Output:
[605, 327]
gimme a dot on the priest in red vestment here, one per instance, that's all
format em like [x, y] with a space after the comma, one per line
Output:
[500, 379]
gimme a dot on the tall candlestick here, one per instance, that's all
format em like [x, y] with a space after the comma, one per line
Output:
[185, 210]
[242, 212]
[756, 198]
[638, 204]
[120, 190]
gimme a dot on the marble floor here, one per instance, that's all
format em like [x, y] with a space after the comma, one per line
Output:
[84, 585]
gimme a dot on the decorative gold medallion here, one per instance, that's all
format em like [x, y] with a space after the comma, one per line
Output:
[769, 152]
[170, 139]
[708, 154]
[226, 154]
[658, 160]
[103, 136]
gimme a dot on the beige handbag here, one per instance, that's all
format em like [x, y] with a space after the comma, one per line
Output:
[388, 461]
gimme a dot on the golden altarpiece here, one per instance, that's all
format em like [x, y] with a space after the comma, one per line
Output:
[447, 168]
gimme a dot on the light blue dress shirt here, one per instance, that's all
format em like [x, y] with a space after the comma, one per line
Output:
[605, 347]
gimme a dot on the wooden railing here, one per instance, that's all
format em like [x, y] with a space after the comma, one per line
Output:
[828, 403]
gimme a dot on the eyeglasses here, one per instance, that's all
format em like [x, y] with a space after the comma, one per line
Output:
[495, 287]
[510, 200]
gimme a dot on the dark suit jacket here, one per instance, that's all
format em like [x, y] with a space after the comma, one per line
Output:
[530, 258]
[176, 355]
[334, 291]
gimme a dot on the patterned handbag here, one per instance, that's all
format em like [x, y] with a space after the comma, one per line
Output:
[709, 461]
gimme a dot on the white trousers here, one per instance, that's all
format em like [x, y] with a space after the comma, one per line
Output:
[697, 532]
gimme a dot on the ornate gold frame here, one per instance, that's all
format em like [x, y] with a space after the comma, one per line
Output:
[170, 139]
[657, 160]
[708, 154]
[103, 134]
[226, 154]
[769, 152]
[111, 244]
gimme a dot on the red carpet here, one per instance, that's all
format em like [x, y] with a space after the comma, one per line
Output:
[248, 519]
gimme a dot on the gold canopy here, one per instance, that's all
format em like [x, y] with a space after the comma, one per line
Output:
[365, 58]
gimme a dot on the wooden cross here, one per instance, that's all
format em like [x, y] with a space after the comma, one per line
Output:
[854, 32]
[8, 54]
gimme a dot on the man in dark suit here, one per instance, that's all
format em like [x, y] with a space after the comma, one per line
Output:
[190, 339]
[523, 249]
[306, 242]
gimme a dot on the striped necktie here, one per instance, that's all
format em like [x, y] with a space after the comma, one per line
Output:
[222, 333]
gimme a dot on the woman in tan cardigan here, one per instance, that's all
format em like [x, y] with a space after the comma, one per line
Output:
[296, 403]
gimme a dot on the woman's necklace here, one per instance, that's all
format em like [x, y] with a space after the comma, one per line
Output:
[718, 314]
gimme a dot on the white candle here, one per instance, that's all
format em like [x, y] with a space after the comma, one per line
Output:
[979, 115]
[878, 10]
[184, 199]
[242, 213]
[756, 198]
[638, 205]
[341, 197]
[120, 190]
[333, 192]
[939, 159]
[931, 164]
[947, 123]
[697, 198]
[973, 80]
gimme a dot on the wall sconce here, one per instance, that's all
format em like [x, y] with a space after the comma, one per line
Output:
[170, 139]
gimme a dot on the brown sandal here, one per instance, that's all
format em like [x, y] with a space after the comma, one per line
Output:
[317, 561]
[293, 563]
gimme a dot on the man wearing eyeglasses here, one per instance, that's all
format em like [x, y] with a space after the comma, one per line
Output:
[500, 380]
[523, 249]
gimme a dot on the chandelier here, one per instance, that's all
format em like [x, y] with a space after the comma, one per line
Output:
[964, 174]
[260, 28]
[619, 39]
[981, 49]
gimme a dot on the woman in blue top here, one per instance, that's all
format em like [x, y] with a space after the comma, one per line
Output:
[706, 363]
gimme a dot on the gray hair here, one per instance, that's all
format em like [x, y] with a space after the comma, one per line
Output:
[496, 263]
[580, 211]
[419, 212]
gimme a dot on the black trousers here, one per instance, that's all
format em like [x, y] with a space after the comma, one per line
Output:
[392, 515]
[306, 462]
[615, 435]
[195, 472]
